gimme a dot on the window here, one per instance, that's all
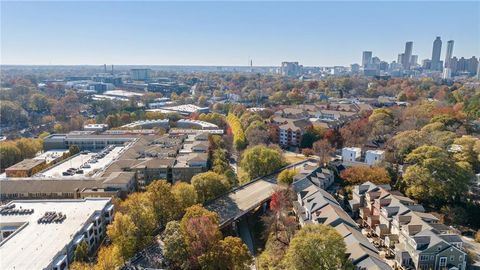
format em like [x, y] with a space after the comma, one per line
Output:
[443, 261]
[431, 258]
[460, 258]
[452, 258]
[423, 257]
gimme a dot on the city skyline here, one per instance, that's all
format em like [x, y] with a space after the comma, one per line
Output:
[229, 33]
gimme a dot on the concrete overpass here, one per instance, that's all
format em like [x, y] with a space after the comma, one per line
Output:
[243, 199]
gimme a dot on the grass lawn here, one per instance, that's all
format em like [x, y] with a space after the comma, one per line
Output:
[294, 158]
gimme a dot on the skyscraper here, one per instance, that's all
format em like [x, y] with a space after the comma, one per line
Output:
[407, 55]
[366, 58]
[413, 60]
[436, 51]
[400, 58]
[478, 72]
[449, 54]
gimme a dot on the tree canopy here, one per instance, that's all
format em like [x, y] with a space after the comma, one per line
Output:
[434, 176]
[261, 160]
[209, 185]
[317, 247]
[360, 174]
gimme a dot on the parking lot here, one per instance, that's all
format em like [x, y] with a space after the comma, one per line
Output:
[77, 161]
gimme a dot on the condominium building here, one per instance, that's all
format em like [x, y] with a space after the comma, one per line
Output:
[316, 206]
[352, 156]
[43, 234]
[415, 238]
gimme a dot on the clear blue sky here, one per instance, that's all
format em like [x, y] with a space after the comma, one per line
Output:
[231, 33]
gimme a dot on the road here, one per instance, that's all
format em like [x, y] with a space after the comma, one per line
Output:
[243, 199]
[474, 247]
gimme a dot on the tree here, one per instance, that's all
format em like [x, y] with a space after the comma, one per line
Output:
[73, 150]
[311, 135]
[324, 151]
[200, 229]
[39, 103]
[286, 177]
[81, 252]
[165, 206]
[239, 139]
[256, 136]
[405, 142]
[80, 266]
[29, 147]
[381, 122]
[175, 246]
[12, 114]
[355, 133]
[43, 135]
[235, 253]
[468, 151]
[230, 253]
[139, 207]
[434, 177]
[360, 174]
[261, 160]
[9, 154]
[58, 128]
[108, 258]
[307, 152]
[278, 97]
[184, 194]
[215, 118]
[209, 185]
[123, 233]
[296, 96]
[202, 234]
[196, 211]
[317, 247]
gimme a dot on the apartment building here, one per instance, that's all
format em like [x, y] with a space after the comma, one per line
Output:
[316, 206]
[43, 234]
[289, 132]
[415, 238]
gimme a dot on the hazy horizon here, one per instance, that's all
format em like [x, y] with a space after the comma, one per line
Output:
[230, 33]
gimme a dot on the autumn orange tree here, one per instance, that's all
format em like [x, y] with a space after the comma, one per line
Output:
[361, 174]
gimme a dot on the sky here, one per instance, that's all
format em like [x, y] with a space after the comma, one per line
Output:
[230, 33]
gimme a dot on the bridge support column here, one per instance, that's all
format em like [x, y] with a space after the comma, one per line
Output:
[264, 207]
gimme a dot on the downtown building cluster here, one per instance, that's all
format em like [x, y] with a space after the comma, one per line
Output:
[407, 63]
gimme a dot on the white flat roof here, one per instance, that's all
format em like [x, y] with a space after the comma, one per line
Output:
[35, 246]
[77, 161]
[356, 149]
[122, 93]
[203, 124]
[51, 155]
[160, 111]
[378, 152]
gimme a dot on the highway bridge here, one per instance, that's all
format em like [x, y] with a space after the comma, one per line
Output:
[243, 199]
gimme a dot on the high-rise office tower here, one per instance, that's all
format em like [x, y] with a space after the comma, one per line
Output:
[400, 58]
[449, 54]
[407, 55]
[478, 72]
[413, 60]
[366, 58]
[436, 51]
